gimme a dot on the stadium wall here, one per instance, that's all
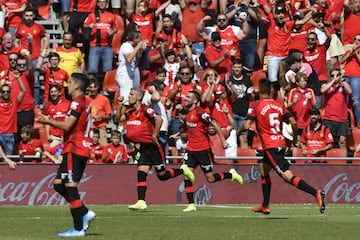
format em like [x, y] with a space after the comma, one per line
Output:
[31, 184]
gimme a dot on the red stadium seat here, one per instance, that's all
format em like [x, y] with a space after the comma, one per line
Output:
[336, 153]
[255, 78]
[110, 84]
[297, 152]
[354, 139]
[246, 152]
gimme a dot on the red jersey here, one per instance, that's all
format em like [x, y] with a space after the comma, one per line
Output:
[334, 102]
[218, 113]
[140, 124]
[317, 59]
[213, 54]
[4, 57]
[350, 29]
[82, 5]
[54, 76]
[269, 115]
[96, 151]
[77, 139]
[118, 153]
[13, 19]
[302, 107]
[29, 149]
[8, 116]
[197, 123]
[180, 97]
[316, 140]
[298, 39]
[189, 22]
[278, 38]
[352, 66]
[229, 38]
[145, 24]
[28, 102]
[107, 21]
[58, 112]
[37, 31]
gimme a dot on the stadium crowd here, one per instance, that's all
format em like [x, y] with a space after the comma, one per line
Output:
[308, 50]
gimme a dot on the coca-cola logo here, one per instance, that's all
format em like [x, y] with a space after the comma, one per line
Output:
[340, 189]
[35, 193]
[253, 175]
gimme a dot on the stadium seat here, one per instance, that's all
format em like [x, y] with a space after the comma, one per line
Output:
[255, 78]
[336, 153]
[351, 118]
[246, 152]
[110, 84]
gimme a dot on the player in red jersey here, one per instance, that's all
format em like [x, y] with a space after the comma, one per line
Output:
[76, 152]
[143, 127]
[199, 147]
[269, 116]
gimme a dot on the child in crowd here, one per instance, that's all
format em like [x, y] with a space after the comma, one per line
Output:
[96, 148]
[29, 146]
[115, 152]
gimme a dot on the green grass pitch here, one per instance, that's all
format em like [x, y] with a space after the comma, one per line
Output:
[159, 222]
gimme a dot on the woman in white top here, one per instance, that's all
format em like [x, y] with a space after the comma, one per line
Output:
[129, 53]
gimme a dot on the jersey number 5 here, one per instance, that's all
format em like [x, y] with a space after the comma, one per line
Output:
[274, 122]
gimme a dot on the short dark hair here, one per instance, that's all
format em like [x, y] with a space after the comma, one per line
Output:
[54, 54]
[82, 80]
[57, 86]
[28, 129]
[196, 94]
[264, 86]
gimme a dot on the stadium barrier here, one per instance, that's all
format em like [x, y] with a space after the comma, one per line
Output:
[31, 184]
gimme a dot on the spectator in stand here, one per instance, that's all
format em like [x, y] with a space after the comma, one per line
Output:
[199, 147]
[152, 98]
[248, 45]
[157, 55]
[351, 60]
[218, 56]
[103, 26]
[192, 12]
[96, 148]
[242, 90]
[100, 110]
[279, 30]
[52, 74]
[71, 59]
[29, 146]
[6, 72]
[8, 116]
[300, 101]
[171, 65]
[57, 108]
[65, 8]
[351, 16]
[177, 95]
[7, 47]
[129, 54]
[115, 152]
[229, 34]
[78, 12]
[146, 135]
[299, 32]
[173, 36]
[32, 36]
[335, 116]
[269, 116]
[145, 20]
[13, 10]
[315, 55]
[316, 138]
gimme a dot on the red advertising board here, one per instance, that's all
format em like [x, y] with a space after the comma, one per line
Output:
[31, 184]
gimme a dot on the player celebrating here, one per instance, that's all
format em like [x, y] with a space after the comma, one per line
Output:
[76, 152]
[143, 126]
[199, 148]
[269, 116]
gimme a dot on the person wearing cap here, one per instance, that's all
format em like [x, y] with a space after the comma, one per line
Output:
[269, 115]
[218, 56]
[300, 101]
[229, 34]
[157, 55]
[336, 91]
[316, 138]
[299, 31]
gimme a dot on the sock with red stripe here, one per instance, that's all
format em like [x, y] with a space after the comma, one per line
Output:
[170, 173]
[302, 185]
[141, 185]
[221, 176]
[266, 189]
[189, 190]
[77, 208]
